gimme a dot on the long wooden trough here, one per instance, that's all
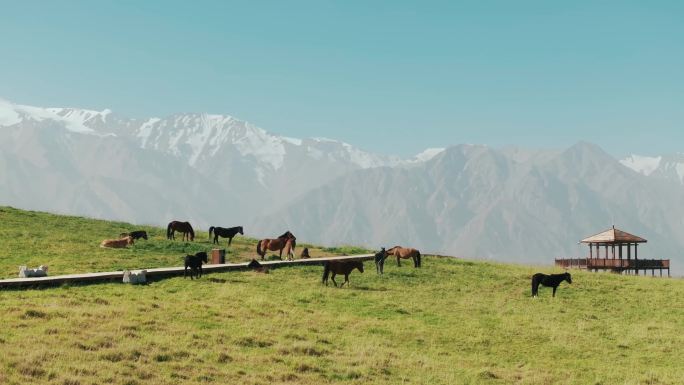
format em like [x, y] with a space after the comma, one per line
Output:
[163, 272]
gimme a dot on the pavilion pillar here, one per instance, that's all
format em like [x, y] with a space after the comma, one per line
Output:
[629, 251]
[636, 258]
[620, 246]
[591, 251]
[613, 251]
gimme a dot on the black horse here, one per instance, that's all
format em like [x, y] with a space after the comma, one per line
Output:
[340, 267]
[135, 235]
[380, 260]
[183, 227]
[552, 280]
[194, 262]
[225, 233]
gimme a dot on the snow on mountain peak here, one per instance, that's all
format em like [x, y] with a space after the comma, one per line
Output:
[428, 154]
[74, 120]
[645, 165]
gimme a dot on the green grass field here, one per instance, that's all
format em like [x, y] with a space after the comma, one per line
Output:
[71, 245]
[450, 322]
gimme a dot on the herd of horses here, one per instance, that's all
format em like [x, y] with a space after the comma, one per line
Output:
[287, 243]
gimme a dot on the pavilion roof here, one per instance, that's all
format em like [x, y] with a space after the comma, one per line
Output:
[613, 235]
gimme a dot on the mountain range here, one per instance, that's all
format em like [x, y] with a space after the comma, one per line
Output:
[509, 204]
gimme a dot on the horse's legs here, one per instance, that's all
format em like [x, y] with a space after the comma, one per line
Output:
[185, 272]
[535, 287]
[333, 279]
[554, 291]
[398, 261]
[415, 261]
[200, 271]
[346, 280]
[230, 240]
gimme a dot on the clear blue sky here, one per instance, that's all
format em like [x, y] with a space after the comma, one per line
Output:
[393, 77]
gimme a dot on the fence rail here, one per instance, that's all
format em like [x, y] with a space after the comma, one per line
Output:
[152, 274]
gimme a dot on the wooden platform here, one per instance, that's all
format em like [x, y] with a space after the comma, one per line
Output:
[615, 264]
[163, 272]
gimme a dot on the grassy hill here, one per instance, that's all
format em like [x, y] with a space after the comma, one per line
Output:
[450, 322]
[71, 245]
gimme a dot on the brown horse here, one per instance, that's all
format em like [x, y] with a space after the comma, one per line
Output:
[181, 227]
[279, 243]
[405, 253]
[290, 249]
[340, 267]
[117, 243]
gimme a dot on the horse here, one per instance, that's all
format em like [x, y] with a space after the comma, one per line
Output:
[405, 253]
[135, 234]
[290, 249]
[225, 233]
[380, 257]
[305, 253]
[279, 243]
[182, 227]
[195, 264]
[552, 280]
[117, 243]
[340, 267]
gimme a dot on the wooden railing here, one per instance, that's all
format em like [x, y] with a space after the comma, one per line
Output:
[616, 264]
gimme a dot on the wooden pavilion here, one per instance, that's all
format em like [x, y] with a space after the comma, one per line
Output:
[615, 259]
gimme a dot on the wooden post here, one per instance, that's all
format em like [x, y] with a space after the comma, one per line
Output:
[621, 251]
[591, 251]
[636, 258]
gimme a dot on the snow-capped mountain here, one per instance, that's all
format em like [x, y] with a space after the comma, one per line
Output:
[670, 167]
[511, 204]
[481, 202]
[251, 171]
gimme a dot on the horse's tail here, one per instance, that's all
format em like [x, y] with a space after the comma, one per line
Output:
[211, 230]
[168, 231]
[326, 272]
[259, 249]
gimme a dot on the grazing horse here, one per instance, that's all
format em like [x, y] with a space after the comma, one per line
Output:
[279, 243]
[380, 257]
[405, 253]
[290, 249]
[340, 267]
[182, 227]
[305, 253]
[135, 234]
[117, 243]
[225, 233]
[194, 262]
[552, 280]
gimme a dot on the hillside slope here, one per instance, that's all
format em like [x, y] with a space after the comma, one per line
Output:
[450, 322]
[69, 244]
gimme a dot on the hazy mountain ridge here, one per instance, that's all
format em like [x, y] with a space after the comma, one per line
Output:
[510, 204]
